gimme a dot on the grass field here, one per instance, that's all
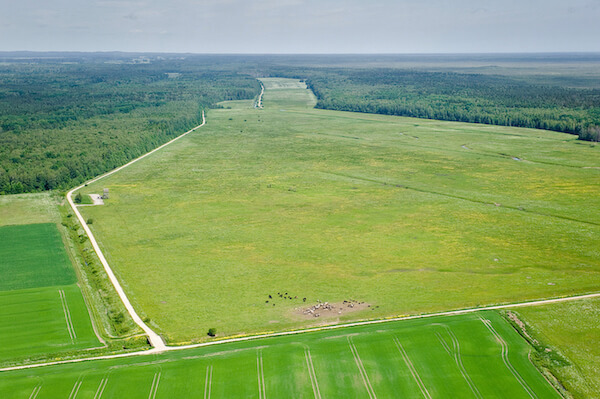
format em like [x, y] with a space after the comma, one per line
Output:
[572, 329]
[27, 208]
[406, 215]
[33, 255]
[42, 311]
[477, 355]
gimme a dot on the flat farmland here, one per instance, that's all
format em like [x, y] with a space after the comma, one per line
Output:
[27, 208]
[572, 330]
[44, 320]
[42, 310]
[33, 255]
[477, 355]
[234, 225]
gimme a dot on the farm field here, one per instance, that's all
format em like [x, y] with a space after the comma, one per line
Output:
[405, 215]
[44, 320]
[572, 329]
[26, 209]
[42, 310]
[477, 355]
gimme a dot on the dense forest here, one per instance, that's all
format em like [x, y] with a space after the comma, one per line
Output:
[64, 122]
[463, 97]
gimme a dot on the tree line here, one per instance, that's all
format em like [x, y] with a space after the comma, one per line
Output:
[462, 97]
[63, 123]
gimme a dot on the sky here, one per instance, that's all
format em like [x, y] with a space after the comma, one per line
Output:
[301, 26]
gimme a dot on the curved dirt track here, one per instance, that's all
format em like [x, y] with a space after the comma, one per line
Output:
[155, 340]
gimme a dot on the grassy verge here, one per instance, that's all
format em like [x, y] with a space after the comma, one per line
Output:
[566, 337]
[108, 311]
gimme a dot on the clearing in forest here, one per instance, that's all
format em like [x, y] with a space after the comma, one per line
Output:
[235, 225]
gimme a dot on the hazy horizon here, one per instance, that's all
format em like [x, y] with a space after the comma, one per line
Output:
[302, 26]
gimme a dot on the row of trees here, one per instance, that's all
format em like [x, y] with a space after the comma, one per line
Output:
[489, 99]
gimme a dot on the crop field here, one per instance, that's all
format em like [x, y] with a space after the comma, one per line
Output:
[572, 330]
[477, 355]
[42, 311]
[44, 320]
[33, 255]
[234, 225]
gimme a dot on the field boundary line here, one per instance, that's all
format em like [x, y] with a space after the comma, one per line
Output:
[307, 330]
[444, 343]
[66, 311]
[412, 369]
[260, 372]
[312, 374]
[154, 386]
[458, 197]
[36, 391]
[505, 358]
[208, 382]
[76, 388]
[455, 353]
[361, 368]
[155, 340]
[101, 388]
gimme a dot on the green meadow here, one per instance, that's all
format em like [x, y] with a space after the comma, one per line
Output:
[405, 215]
[571, 330]
[27, 208]
[42, 310]
[470, 356]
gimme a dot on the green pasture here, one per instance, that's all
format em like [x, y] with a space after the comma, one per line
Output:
[33, 255]
[46, 320]
[440, 357]
[406, 215]
[572, 330]
[27, 208]
[42, 310]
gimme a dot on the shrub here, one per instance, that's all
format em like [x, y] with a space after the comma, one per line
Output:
[212, 332]
[90, 221]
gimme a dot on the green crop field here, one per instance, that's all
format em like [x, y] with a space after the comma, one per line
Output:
[33, 255]
[405, 215]
[477, 355]
[572, 330]
[42, 311]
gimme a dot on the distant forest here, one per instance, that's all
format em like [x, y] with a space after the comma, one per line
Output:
[67, 117]
[450, 96]
[63, 123]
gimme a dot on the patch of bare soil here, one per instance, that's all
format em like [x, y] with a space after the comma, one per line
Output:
[329, 311]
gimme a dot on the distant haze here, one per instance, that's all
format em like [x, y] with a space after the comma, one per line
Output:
[301, 26]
